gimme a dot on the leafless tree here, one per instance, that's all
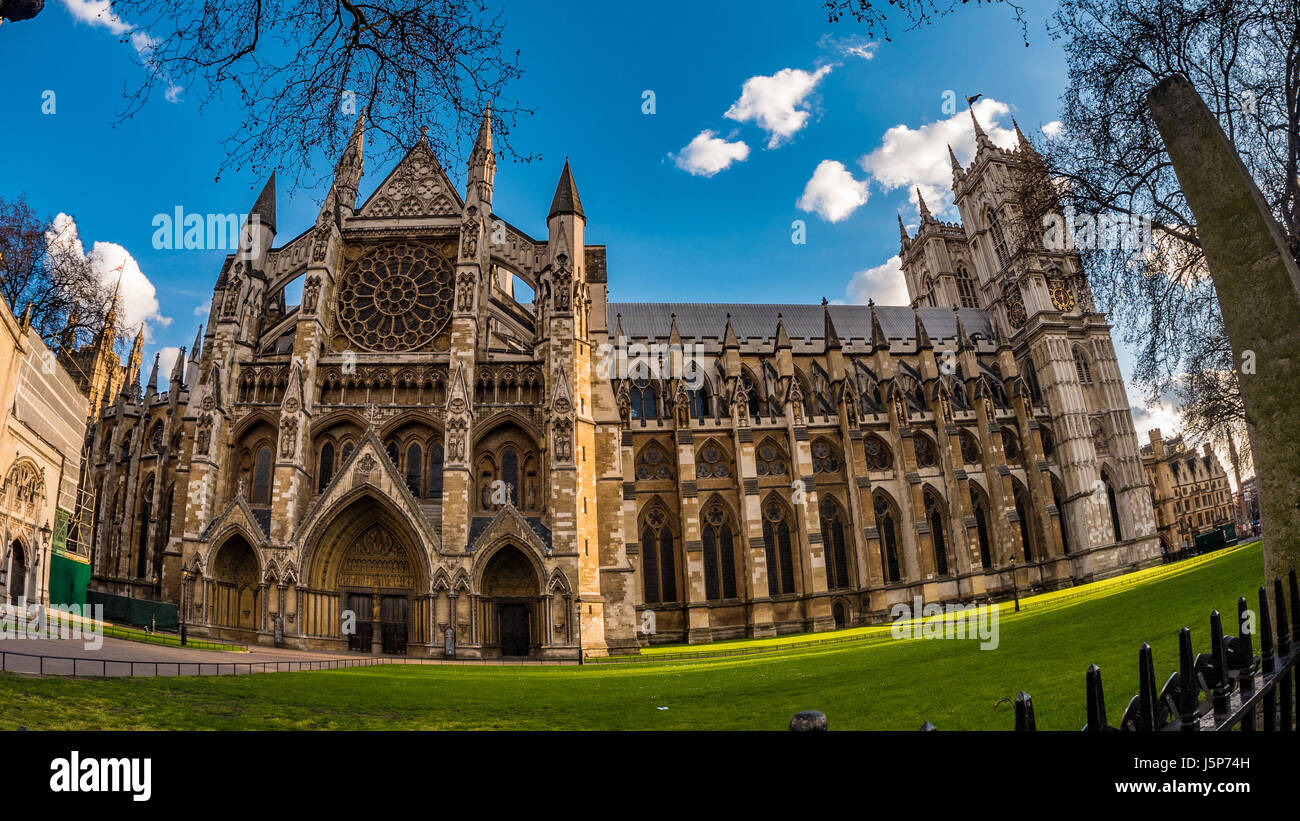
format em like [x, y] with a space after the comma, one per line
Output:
[876, 15]
[67, 300]
[303, 70]
[1243, 56]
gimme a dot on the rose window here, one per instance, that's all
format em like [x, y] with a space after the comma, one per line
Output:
[396, 297]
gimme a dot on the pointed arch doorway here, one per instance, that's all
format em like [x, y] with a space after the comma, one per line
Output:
[511, 597]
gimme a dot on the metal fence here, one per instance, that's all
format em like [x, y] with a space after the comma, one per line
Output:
[1228, 688]
[39, 664]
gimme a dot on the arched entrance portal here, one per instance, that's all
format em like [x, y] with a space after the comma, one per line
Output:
[17, 573]
[366, 584]
[510, 597]
[236, 595]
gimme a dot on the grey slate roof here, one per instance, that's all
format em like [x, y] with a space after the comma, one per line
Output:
[757, 322]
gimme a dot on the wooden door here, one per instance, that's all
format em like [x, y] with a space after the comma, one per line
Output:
[393, 615]
[514, 630]
[361, 605]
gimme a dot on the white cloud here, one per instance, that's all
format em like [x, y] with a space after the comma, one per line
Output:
[855, 45]
[884, 284]
[138, 298]
[708, 154]
[832, 192]
[777, 103]
[912, 158]
[203, 310]
[100, 13]
[1053, 129]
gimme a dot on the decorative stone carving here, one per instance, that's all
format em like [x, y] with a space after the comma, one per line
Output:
[396, 297]
[288, 437]
[310, 294]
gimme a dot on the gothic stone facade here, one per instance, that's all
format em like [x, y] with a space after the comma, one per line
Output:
[1189, 491]
[412, 460]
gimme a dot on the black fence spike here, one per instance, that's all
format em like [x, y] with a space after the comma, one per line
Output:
[1295, 603]
[1265, 631]
[1218, 679]
[1096, 701]
[1025, 722]
[1187, 691]
[1147, 695]
[1283, 631]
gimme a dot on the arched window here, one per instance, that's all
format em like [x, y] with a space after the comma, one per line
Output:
[1114, 509]
[414, 468]
[887, 527]
[262, 476]
[982, 528]
[927, 289]
[126, 447]
[1058, 500]
[434, 480]
[999, 239]
[970, 449]
[1082, 368]
[1022, 513]
[926, 455]
[753, 404]
[325, 467]
[699, 399]
[878, 454]
[653, 464]
[156, 438]
[142, 546]
[934, 515]
[826, 459]
[1048, 440]
[347, 451]
[658, 568]
[644, 400]
[776, 540]
[966, 288]
[393, 452]
[1010, 445]
[510, 474]
[719, 554]
[770, 459]
[837, 556]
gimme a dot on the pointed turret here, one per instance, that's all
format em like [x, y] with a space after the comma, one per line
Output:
[137, 355]
[781, 338]
[729, 338]
[878, 338]
[1022, 140]
[483, 142]
[829, 335]
[964, 342]
[482, 165]
[921, 206]
[198, 344]
[902, 231]
[922, 337]
[566, 199]
[177, 378]
[674, 335]
[27, 316]
[68, 339]
[618, 328]
[952, 157]
[259, 229]
[347, 174]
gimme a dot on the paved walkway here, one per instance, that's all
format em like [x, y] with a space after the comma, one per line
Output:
[119, 657]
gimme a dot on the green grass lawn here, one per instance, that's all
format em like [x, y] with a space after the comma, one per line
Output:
[876, 685]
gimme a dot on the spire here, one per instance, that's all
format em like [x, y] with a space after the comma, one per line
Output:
[829, 334]
[347, 173]
[1024, 143]
[152, 386]
[483, 142]
[264, 207]
[980, 136]
[68, 339]
[902, 230]
[956, 166]
[110, 319]
[729, 339]
[618, 327]
[178, 367]
[782, 338]
[198, 344]
[27, 316]
[137, 351]
[674, 335]
[566, 199]
[920, 204]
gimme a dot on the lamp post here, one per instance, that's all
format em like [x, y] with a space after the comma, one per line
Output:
[1015, 589]
[185, 583]
[45, 536]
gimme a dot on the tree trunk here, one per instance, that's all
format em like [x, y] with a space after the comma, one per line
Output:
[1258, 284]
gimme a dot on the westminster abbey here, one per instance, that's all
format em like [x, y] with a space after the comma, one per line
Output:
[412, 460]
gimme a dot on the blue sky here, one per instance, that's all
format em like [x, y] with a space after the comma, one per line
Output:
[801, 93]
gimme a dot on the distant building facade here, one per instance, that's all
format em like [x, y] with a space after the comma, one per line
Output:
[413, 460]
[42, 432]
[1189, 490]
